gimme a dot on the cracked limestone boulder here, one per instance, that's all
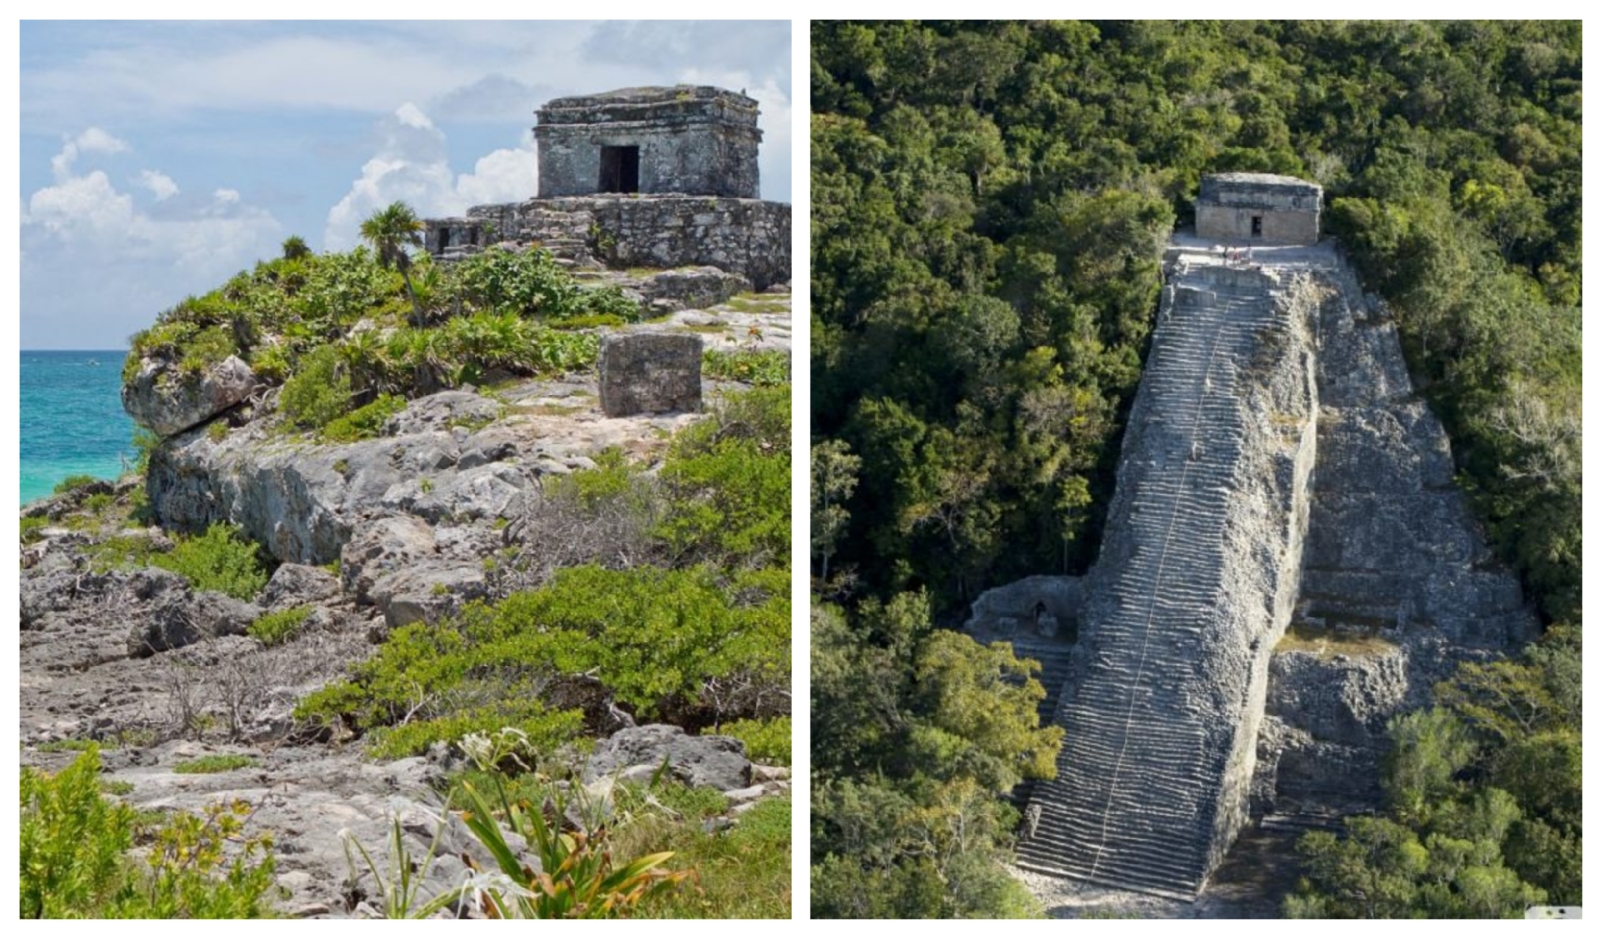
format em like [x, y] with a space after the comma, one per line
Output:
[715, 761]
[382, 546]
[168, 403]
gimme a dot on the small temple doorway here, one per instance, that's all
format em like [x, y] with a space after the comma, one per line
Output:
[619, 169]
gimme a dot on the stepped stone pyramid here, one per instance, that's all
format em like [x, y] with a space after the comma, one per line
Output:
[1246, 501]
[1195, 584]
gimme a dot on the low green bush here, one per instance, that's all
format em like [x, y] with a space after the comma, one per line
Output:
[767, 741]
[545, 728]
[219, 560]
[32, 528]
[654, 637]
[278, 627]
[75, 861]
[73, 483]
[319, 392]
[364, 422]
[121, 551]
[210, 346]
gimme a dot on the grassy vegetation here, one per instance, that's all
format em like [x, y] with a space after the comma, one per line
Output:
[214, 764]
[73, 483]
[32, 528]
[743, 872]
[1328, 643]
[278, 627]
[756, 302]
[768, 368]
[70, 745]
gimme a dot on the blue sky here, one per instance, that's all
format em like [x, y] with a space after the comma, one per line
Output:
[157, 159]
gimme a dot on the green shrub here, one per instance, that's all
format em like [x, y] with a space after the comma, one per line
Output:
[144, 442]
[767, 741]
[73, 483]
[69, 745]
[270, 363]
[73, 841]
[278, 627]
[727, 483]
[545, 728]
[219, 560]
[525, 283]
[768, 368]
[121, 552]
[319, 392]
[364, 422]
[32, 528]
[608, 301]
[210, 346]
[654, 637]
[75, 863]
[214, 764]
[588, 322]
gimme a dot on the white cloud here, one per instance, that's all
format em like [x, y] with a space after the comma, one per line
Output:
[96, 268]
[502, 176]
[93, 140]
[159, 183]
[412, 165]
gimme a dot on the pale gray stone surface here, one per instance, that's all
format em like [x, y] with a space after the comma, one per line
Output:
[715, 761]
[166, 402]
[650, 372]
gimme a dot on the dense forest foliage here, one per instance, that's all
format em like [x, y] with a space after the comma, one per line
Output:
[989, 206]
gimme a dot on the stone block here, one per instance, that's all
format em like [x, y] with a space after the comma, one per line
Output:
[649, 372]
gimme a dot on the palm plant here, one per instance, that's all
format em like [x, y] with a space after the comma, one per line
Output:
[390, 231]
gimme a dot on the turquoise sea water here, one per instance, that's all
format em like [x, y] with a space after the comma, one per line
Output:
[72, 418]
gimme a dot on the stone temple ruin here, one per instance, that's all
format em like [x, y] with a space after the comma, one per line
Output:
[1279, 472]
[1258, 207]
[641, 177]
[689, 140]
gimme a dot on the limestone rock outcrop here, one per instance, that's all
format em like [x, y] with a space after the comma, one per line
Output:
[167, 402]
[715, 761]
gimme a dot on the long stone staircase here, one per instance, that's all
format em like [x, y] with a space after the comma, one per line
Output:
[1147, 779]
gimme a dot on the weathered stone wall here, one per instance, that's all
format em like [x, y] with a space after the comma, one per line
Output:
[743, 236]
[689, 140]
[1289, 209]
[1235, 224]
[1397, 575]
[1195, 583]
